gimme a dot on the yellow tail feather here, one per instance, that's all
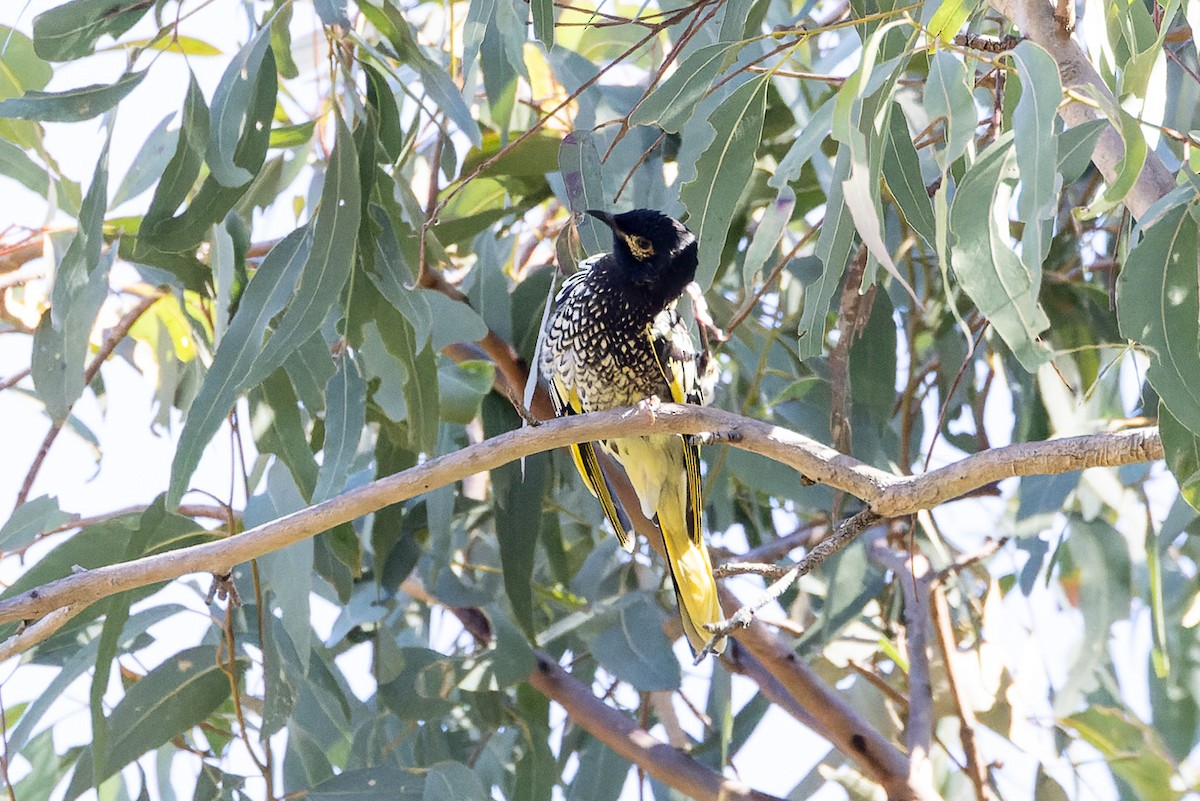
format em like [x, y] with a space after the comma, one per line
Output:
[691, 573]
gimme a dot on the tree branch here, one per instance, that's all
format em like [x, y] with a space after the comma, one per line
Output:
[912, 572]
[1035, 20]
[888, 495]
[633, 742]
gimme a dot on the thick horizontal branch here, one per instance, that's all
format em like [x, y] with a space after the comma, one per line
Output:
[885, 493]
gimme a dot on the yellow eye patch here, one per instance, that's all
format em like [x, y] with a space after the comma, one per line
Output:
[639, 246]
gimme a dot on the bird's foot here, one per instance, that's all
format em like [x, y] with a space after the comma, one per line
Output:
[647, 406]
[717, 437]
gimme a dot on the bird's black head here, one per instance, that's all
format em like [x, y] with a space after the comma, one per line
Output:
[652, 249]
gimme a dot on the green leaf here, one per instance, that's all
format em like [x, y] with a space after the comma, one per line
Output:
[543, 21]
[1036, 149]
[173, 697]
[391, 274]
[326, 258]
[1183, 456]
[183, 232]
[278, 429]
[285, 136]
[345, 416]
[517, 491]
[17, 165]
[950, 16]
[332, 12]
[453, 321]
[814, 131]
[72, 105]
[181, 172]
[463, 387]
[266, 295]
[60, 351]
[453, 781]
[947, 97]
[672, 101]
[1075, 148]
[1096, 565]
[150, 162]
[765, 243]
[378, 783]
[1133, 750]
[820, 277]
[1003, 288]
[600, 776]
[72, 29]
[902, 171]
[233, 109]
[434, 76]
[1157, 306]
[582, 174]
[632, 646]
[727, 162]
[1130, 166]
[30, 519]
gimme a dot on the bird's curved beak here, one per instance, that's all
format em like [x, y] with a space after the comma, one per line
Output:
[604, 217]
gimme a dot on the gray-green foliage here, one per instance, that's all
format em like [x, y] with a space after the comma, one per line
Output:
[393, 318]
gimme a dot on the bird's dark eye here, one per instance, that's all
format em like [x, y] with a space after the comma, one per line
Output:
[640, 247]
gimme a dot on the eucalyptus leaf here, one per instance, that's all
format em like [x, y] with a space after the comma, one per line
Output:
[71, 105]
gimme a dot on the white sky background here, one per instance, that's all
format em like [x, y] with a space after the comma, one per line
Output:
[136, 461]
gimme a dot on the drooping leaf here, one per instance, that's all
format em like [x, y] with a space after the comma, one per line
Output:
[345, 409]
[1003, 288]
[233, 110]
[672, 101]
[170, 699]
[947, 97]
[632, 646]
[71, 105]
[463, 387]
[902, 171]
[379, 783]
[1183, 455]
[150, 162]
[435, 78]
[1036, 148]
[727, 162]
[1157, 306]
[181, 172]
[518, 501]
[332, 12]
[266, 295]
[71, 30]
[316, 262]
[766, 237]
[820, 276]
[1130, 166]
[453, 781]
[31, 518]
[579, 163]
[1132, 749]
[543, 21]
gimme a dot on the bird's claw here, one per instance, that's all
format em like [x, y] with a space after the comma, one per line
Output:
[648, 406]
[716, 437]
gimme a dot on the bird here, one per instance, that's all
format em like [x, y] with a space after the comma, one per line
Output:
[613, 338]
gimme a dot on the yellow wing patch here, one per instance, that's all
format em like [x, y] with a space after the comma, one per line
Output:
[588, 465]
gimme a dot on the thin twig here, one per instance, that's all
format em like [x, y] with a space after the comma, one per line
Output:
[846, 533]
[913, 574]
[976, 768]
